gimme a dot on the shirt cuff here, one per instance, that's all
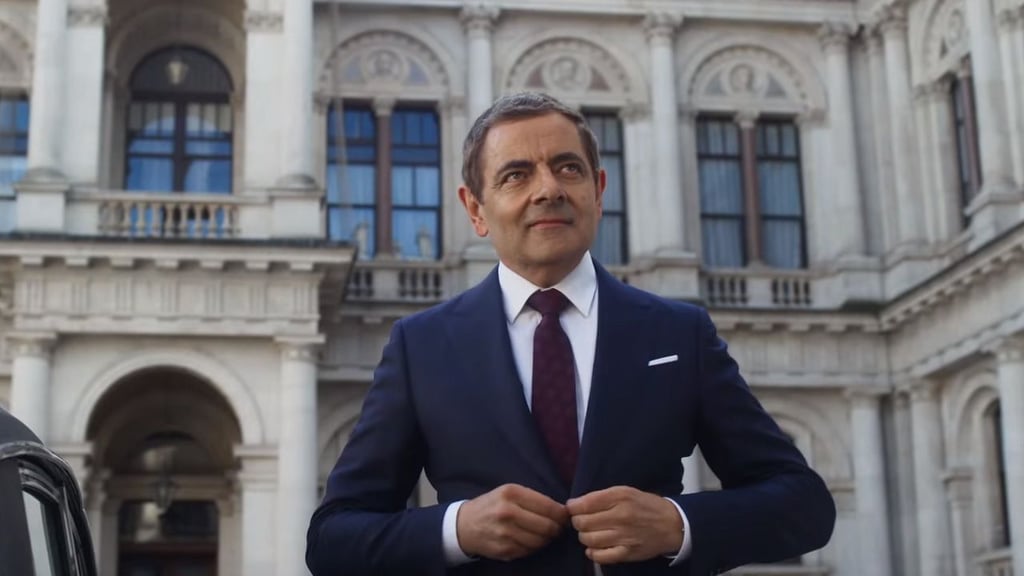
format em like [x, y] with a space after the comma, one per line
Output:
[687, 547]
[453, 554]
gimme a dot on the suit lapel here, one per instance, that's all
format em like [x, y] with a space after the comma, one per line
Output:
[479, 331]
[623, 333]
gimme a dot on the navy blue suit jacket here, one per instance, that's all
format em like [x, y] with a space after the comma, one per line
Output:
[447, 397]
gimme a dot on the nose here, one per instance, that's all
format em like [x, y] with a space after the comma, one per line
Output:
[549, 189]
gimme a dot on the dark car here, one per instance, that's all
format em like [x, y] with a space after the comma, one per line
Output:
[43, 528]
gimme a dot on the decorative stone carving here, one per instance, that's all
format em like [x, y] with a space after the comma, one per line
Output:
[300, 349]
[37, 345]
[946, 38]
[16, 55]
[263, 21]
[835, 35]
[661, 25]
[570, 67]
[891, 19]
[748, 76]
[387, 61]
[634, 112]
[87, 16]
[478, 18]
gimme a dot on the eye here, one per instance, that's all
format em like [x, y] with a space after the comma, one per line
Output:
[513, 176]
[572, 168]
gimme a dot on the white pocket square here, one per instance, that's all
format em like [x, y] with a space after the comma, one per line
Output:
[663, 360]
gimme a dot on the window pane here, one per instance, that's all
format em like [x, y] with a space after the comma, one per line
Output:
[401, 186]
[8, 216]
[208, 176]
[607, 247]
[428, 186]
[722, 242]
[361, 185]
[416, 233]
[44, 535]
[12, 168]
[721, 187]
[782, 243]
[780, 188]
[208, 148]
[613, 191]
[150, 146]
[355, 225]
[152, 174]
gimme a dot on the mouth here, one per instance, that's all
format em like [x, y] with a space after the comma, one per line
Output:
[550, 223]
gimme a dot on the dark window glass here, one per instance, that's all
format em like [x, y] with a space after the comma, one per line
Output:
[720, 166]
[416, 183]
[610, 246]
[352, 176]
[14, 116]
[780, 194]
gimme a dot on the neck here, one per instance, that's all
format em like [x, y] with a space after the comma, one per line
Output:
[544, 276]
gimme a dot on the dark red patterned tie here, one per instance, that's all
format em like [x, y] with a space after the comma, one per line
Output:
[554, 384]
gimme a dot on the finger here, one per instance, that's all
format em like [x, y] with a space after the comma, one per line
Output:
[540, 504]
[536, 524]
[613, 555]
[603, 520]
[595, 501]
[600, 539]
[525, 540]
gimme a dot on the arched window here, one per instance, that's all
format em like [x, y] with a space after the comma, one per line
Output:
[14, 113]
[179, 135]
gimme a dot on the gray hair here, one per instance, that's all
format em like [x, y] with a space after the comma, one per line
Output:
[515, 107]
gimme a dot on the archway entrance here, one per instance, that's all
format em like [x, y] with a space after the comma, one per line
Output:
[164, 438]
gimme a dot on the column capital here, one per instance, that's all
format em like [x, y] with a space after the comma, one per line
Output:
[263, 21]
[453, 106]
[1007, 349]
[321, 102]
[383, 105]
[300, 348]
[891, 19]
[937, 89]
[866, 396]
[835, 36]
[634, 112]
[34, 344]
[661, 25]
[87, 16]
[479, 18]
[923, 390]
[747, 119]
[811, 118]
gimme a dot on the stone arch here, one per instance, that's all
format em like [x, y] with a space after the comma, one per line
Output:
[730, 74]
[15, 58]
[143, 34]
[945, 39]
[575, 70]
[829, 450]
[976, 392]
[384, 62]
[220, 377]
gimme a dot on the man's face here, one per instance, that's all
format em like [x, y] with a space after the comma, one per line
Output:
[540, 203]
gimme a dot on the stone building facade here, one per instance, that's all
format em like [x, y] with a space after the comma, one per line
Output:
[213, 211]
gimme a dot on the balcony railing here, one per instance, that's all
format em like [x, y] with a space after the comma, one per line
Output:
[142, 215]
[398, 281]
[758, 288]
[996, 563]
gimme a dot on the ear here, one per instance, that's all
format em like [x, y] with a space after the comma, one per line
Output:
[474, 208]
[602, 181]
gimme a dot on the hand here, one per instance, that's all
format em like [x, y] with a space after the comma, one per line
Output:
[509, 522]
[623, 524]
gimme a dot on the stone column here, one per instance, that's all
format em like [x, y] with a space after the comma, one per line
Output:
[478, 21]
[883, 142]
[668, 190]
[660, 29]
[262, 134]
[958, 492]
[83, 132]
[256, 482]
[636, 157]
[847, 240]
[30, 380]
[296, 452]
[41, 194]
[458, 233]
[986, 65]
[297, 104]
[747, 121]
[869, 479]
[1010, 357]
[935, 556]
[1010, 41]
[938, 158]
[893, 24]
[382, 108]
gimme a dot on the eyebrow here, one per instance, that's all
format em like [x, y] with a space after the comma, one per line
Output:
[526, 164]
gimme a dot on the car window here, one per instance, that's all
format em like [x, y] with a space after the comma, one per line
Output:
[44, 533]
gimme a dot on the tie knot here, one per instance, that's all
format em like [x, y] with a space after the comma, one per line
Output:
[548, 302]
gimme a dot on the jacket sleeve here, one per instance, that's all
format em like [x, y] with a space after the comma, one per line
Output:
[772, 506]
[363, 526]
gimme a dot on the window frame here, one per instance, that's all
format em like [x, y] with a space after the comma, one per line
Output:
[606, 115]
[743, 217]
[797, 161]
[331, 159]
[436, 210]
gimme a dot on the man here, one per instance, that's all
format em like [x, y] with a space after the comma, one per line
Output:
[551, 405]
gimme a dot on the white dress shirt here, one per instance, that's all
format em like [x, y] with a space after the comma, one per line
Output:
[579, 321]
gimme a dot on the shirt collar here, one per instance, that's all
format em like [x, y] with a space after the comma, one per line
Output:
[579, 287]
